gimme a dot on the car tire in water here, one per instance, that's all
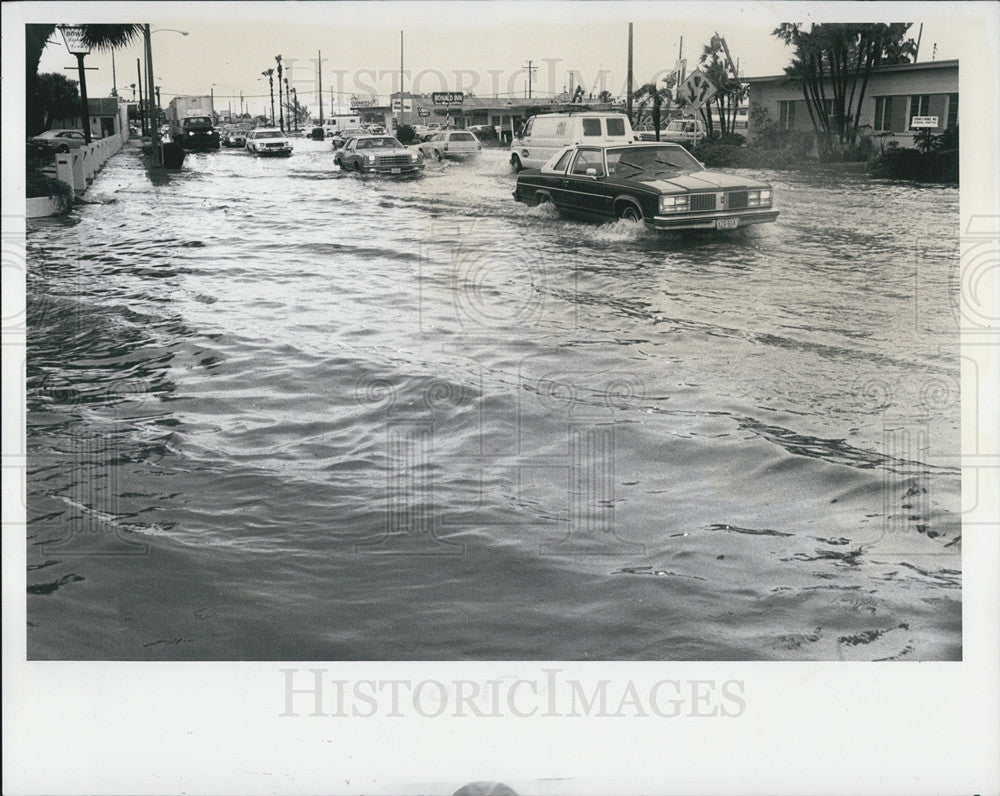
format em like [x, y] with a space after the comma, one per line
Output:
[515, 161]
[357, 167]
[64, 148]
[438, 155]
[629, 212]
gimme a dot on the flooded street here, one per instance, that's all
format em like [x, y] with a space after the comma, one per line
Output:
[276, 411]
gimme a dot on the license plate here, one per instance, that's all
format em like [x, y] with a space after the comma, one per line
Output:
[727, 223]
[396, 171]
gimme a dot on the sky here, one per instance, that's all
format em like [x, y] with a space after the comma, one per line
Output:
[451, 46]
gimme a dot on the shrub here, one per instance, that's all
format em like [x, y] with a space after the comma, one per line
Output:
[406, 134]
[38, 185]
[912, 164]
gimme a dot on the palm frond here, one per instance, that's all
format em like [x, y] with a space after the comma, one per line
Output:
[111, 37]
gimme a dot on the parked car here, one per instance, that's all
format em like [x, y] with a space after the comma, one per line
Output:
[683, 131]
[339, 138]
[268, 141]
[381, 154]
[659, 184]
[452, 144]
[235, 136]
[59, 140]
[548, 133]
[422, 132]
[376, 129]
[484, 132]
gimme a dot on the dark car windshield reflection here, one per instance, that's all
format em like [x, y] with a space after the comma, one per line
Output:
[628, 160]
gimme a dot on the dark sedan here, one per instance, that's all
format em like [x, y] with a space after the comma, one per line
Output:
[659, 184]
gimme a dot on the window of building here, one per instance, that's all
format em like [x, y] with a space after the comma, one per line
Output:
[786, 114]
[883, 113]
[952, 110]
[920, 105]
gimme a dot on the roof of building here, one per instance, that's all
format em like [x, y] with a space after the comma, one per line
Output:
[952, 64]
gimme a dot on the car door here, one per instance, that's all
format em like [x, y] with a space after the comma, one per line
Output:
[584, 183]
[555, 182]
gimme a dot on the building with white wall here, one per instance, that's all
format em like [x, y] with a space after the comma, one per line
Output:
[894, 96]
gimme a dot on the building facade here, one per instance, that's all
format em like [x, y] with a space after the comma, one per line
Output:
[894, 97]
[108, 117]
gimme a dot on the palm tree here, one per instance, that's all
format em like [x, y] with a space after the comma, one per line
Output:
[36, 37]
[649, 93]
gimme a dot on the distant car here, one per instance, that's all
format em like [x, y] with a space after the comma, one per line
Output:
[451, 144]
[422, 132]
[341, 137]
[376, 129]
[681, 131]
[268, 141]
[659, 184]
[381, 154]
[59, 140]
[484, 132]
[235, 136]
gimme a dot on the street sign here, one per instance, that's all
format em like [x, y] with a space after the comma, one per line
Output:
[696, 90]
[447, 97]
[423, 112]
[407, 106]
[924, 121]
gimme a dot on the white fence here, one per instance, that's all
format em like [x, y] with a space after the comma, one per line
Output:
[77, 167]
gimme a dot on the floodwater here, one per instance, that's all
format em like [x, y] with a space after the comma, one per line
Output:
[280, 412]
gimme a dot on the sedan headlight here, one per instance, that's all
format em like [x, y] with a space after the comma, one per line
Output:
[674, 204]
[761, 198]
[414, 157]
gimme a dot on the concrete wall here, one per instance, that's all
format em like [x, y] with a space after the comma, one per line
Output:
[939, 80]
[78, 167]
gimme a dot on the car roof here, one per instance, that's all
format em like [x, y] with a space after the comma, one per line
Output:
[266, 130]
[53, 133]
[379, 135]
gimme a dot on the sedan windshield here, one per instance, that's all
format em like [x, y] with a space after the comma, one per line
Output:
[275, 134]
[378, 143]
[197, 120]
[642, 158]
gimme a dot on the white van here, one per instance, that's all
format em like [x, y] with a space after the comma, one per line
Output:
[546, 134]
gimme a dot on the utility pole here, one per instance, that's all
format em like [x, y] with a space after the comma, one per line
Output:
[401, 77]
[157, 89]
[916, 52]
[142, 113]
[319, 74]
[288, 102]
[628, 96]
[114, 77]
[154, 130]
[530, 68]
[281, 111]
